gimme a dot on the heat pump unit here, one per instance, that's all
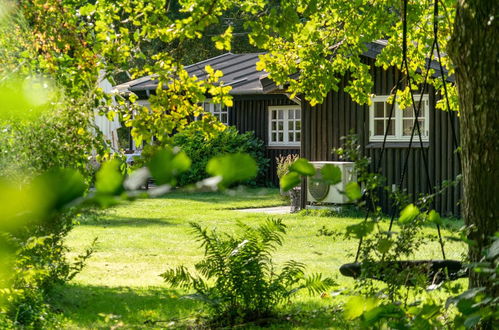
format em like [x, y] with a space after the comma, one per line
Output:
[320, 192]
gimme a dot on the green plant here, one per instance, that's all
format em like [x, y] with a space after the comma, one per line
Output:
[201, 148]
[283, 164]
[238, 279]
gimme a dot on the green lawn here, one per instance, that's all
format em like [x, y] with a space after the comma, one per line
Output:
[140, 240]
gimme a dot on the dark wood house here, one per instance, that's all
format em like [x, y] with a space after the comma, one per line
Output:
[324, 125]
[294, 127]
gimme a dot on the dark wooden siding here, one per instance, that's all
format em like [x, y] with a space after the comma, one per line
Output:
[250, 113]
[323, 126]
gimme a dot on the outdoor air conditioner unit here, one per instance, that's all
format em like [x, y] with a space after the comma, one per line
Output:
[320, 192]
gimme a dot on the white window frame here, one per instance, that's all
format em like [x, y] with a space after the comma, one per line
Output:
[217, 110]
[398, 120]
[286, 129]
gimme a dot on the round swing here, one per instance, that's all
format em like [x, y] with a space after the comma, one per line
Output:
[413, 271]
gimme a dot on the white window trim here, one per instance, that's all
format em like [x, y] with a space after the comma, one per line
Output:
[398, 119]
[223, 109]
[285, 143]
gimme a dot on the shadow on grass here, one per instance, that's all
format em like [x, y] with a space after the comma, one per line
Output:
[315, 315]
[84, 306]
[115, 221]
[221, 197]
[89, 306]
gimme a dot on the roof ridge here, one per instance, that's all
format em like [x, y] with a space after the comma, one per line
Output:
[209, 59]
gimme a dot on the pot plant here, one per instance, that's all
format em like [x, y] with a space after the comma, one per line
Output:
[283, 164]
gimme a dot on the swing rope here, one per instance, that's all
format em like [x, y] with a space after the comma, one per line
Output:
[416, 125]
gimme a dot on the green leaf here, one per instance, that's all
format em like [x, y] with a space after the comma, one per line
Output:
[87, 10]
[434, 217]
[384, 245]
[472, 320]
[165, 165]
[289, 181]
[408, 214]
[232, 168]
[302, 167]
[109, 178]
[493, 250]
[181, 162]
[382, 312]
[331, 174]
[64, 186]
[361, 229]
[352, 190]
[357, 305]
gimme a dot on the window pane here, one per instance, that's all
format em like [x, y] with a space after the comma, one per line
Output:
[291, 137]
[273, 139]
[280, 114]
[391, 128]
[408, 112]
[421, 127]
[297, 114]
[298, 136]
[407, 127]
[298, 125]
[421, 110]
[291, 114]
[379, 127]
[421, 124]
[379, 109]
[274, 114]
[281, 137]
[291, 125]
[274, 125]
[224, 118]
[280, 125]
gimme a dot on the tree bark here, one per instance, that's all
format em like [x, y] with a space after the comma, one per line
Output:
[474, 50]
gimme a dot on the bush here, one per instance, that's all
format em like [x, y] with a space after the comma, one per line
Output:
[32, 250]
[239, 282]
[59, 139]
[200, 149]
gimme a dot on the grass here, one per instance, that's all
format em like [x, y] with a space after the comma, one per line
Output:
[138, 241]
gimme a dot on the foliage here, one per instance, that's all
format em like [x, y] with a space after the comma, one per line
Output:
[37, 215]
[55, 140]
[239, 281]
[34, 256]
[474, 308]
[322, 41]
[200, 149]
[479, 305]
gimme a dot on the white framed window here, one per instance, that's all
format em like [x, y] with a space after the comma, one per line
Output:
[402, 121]
[285, 125]
[221, 112]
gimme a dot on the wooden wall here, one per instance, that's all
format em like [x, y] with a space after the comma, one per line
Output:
[324, 125]
[250, 113]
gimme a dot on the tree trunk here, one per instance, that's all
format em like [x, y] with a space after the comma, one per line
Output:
[474, 50]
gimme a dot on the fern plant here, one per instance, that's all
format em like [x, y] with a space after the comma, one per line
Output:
[238, 280]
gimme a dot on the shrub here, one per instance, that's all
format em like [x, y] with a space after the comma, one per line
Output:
[239, 282]
[59, 139]
[200, 149]
[32, 250]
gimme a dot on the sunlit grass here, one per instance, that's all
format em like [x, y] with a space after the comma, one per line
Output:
[140, 240]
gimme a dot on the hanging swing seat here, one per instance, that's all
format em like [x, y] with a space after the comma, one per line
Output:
[435, 271]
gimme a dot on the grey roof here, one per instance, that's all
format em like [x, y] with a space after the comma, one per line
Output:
[239, 72]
